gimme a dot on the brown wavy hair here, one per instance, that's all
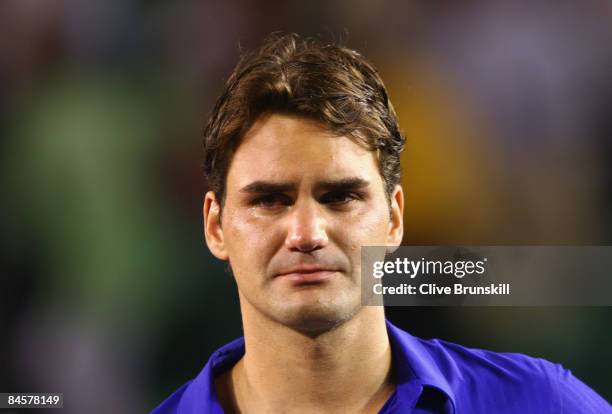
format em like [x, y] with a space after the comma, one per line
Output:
[328, 83]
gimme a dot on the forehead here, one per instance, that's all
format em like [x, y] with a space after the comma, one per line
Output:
[296, 148]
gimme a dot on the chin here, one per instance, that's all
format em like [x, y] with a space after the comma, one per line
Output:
[314, 320]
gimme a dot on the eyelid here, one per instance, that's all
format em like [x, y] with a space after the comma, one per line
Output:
[282, 199]
[331, 197]
[349, 195]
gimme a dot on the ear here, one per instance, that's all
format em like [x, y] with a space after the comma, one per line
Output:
[396, 224]
[212, 226]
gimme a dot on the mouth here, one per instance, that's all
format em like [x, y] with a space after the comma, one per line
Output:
[307, 275]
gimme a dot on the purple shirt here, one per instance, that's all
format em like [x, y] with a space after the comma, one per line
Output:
[433, 376]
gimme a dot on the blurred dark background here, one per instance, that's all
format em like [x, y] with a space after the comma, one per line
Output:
[108, 293]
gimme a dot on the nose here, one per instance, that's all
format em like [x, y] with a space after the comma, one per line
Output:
[307, 228]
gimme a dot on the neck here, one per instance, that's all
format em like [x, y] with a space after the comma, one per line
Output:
[345, 369]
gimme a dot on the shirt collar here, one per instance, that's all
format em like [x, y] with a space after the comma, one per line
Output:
[200, 396]
[414, 369]
[413, 363]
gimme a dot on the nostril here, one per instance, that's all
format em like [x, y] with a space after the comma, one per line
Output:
[306, 244]
[308, 247]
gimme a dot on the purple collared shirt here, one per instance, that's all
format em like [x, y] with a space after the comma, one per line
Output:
[433, 376]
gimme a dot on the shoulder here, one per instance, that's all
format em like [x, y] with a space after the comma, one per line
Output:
[485, 379]
[199, 395]
[170, 405]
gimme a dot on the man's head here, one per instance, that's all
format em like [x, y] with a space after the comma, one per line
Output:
[330, 84]
[302, 155]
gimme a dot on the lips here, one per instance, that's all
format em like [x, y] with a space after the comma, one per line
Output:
[307, 274]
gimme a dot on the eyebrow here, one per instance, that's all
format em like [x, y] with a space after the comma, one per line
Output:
[259, 187]
[266, 187]
[349, 183]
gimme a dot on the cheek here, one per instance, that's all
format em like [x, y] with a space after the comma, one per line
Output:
[248, 240]
[367, 230]
[240, 229]
[368, 227]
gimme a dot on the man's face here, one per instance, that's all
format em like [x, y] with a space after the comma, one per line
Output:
[300, 203]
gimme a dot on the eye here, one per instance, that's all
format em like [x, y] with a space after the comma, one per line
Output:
[340, 197]
[271, 201]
